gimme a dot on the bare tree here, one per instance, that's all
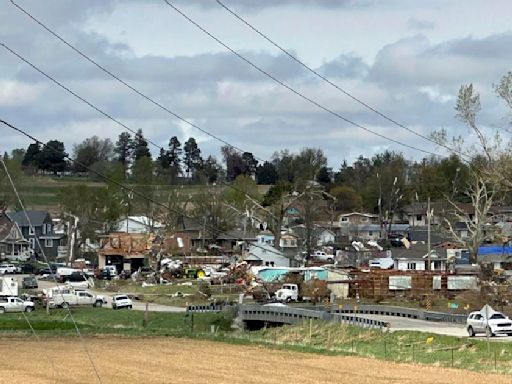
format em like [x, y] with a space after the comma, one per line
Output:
[483, 195]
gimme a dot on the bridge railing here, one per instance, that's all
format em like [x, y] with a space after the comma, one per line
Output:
[410, 313]
[290, 315]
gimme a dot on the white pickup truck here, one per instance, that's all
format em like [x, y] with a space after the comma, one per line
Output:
[65, 298]
[15, 304]
[322, 256]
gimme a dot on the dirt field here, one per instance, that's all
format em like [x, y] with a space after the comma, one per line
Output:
[179, 361]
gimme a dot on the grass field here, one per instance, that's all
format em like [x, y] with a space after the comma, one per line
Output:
[180, 361]
[41, 192]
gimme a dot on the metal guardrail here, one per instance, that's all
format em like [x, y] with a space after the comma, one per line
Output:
[290, 315]
[205, 308]
[410, 313]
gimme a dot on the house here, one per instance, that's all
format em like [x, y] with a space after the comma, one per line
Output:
[126, 251]
[416, 212]
[12, 243]
[266, 255]
[228, 241]
[52, 244]
[374, 231]
[357, 218]
[137, 224]
[265, 237]
[325, 237]
[416, 258]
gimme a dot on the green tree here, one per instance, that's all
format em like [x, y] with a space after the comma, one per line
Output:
[140, 147]
[347, 199]
[31, 158]
[266, 173]
[192, 159]
[123, 149]
[90, 151]
[52, 157]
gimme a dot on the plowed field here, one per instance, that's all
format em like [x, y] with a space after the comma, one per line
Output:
[168, 360]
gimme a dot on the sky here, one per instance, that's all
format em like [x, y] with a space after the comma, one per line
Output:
[407, 59]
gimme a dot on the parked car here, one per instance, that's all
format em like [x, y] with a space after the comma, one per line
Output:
[8, 268]
[497, 323]
[51, 270]
[29, 282]
[15, 304]
[121, 301]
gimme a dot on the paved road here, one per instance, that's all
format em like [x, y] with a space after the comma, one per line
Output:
[439, 328]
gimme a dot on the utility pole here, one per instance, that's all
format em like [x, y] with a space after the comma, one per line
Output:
[428, 233]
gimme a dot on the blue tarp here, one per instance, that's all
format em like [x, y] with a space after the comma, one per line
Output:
[495, 250]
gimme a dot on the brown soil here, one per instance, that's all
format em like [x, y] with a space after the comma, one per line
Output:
[168, 360]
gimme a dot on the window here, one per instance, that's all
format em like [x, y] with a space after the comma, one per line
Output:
[370, 233]
[48, 243]
[364, 219]
[345, 220]
[419, 217]
[411, 266]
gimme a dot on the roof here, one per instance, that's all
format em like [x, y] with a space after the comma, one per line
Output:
[37, 218]
[439, 207]
[371, 215]
[5, 226]
[418, 251]
[377, 227]
[144, 220]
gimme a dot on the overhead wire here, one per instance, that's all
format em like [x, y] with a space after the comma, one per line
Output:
[125, 187]
[324, 78]
[293, 90]
[32, 229]
[126, 84]
[32, 329]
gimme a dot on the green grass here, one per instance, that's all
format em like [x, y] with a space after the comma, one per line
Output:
[404, 346]
[108, 321]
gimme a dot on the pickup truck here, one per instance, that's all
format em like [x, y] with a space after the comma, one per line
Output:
[322, 256]
[65, 298]
[15, 304]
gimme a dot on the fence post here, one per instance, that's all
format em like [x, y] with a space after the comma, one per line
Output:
[310, 328]
[413, 353]
[452, 357]
[385, 350]
[495, 361]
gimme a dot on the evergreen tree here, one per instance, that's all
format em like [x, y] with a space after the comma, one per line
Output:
[31, 156]
[174, 156]
[52, 157]
[123, 150]
[140, 146]
[266, 173]
[192, 158]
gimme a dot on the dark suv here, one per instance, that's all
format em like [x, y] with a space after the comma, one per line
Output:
[29, 282]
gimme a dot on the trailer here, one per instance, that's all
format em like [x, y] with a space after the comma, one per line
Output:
[8, 286]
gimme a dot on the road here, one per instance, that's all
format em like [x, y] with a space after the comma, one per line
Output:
[439, 328]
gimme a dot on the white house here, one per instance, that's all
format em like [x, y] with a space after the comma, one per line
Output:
[266, 255]
[137, 224]
[325, 237]
[356, 218]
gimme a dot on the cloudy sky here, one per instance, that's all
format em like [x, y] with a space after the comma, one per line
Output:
[405, 58]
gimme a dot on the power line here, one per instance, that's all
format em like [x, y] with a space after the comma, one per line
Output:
[107, 115]
[124, 187]
[32, 329]
[137, 91]
[339, 88]
[32, 229]
[293, 90]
